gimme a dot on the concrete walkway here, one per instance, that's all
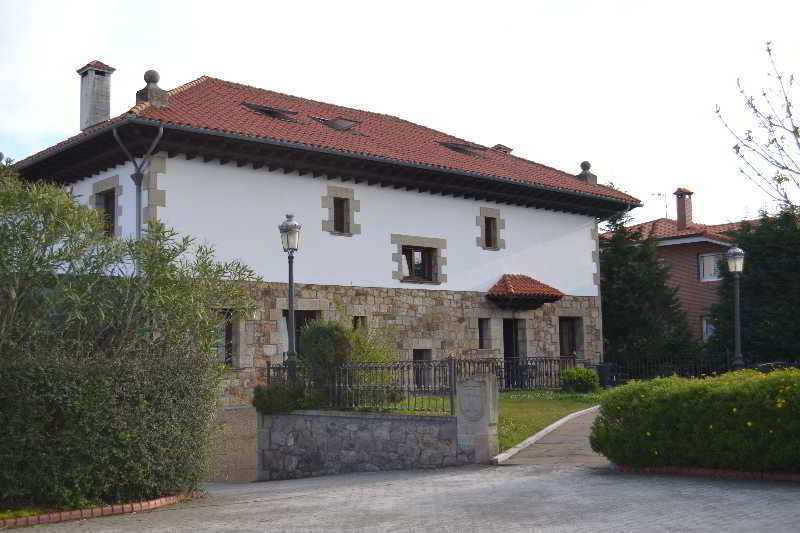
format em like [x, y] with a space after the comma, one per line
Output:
[568, 445]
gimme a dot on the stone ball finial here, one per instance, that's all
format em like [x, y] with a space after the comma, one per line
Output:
[585, 166]
[151, 76]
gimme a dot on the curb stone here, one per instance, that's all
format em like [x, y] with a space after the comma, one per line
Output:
[96, 512]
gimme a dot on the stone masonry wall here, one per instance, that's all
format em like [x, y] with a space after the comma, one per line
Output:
[318, 443]
[446, 322]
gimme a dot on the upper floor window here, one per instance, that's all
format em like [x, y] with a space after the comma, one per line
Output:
[419, 264]
[491, 232]
[342, 208]
[709, 267]
[419, 259]
[341, 215]
[490, 225]
[105, 197]
[106, 201]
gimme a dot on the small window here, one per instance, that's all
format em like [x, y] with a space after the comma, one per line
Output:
[708, 328]
[709, 267]
[359, 322]
[341, 215]
[225, 337]
[483, 333]
[418, 264]
[107, 202]
[491, 232]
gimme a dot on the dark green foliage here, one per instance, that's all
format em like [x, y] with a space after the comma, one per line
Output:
[326, 344]
[742, 420]
[579, 380]
[110, 380]
[279, 398]
[642, 318]
[770, 292]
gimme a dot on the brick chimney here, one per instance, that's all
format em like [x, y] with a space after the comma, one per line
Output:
[95, 93]
[684, 201]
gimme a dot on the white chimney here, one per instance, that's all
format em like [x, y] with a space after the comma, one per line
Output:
[95, 93]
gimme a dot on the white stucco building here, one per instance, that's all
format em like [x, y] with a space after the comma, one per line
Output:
[463, 249]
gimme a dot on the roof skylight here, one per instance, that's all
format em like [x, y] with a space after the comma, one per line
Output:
[272, 112]
[340, 124]
[466, 149]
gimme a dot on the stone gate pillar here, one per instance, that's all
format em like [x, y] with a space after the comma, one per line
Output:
[477, 402]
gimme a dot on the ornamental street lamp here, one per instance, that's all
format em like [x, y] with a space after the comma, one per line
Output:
[735, 257]
[290, 238]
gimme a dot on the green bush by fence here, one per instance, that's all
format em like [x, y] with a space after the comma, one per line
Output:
[579, 380]
[745, 420]
[110, 375]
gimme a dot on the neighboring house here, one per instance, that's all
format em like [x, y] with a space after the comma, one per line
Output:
[461, 248]
[693, 252]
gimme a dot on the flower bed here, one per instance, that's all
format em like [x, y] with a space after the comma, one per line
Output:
[745, 420]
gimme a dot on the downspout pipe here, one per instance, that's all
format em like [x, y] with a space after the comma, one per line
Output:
[138, 174]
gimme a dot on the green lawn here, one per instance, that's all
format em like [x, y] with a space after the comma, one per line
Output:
[523, 413]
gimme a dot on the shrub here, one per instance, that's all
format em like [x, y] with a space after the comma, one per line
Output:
[110, 380]
[279, 398]
[743, 420]
[325, 344]
[579, 380]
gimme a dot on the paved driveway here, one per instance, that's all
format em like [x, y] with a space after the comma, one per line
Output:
[499, 498]
[558, 484]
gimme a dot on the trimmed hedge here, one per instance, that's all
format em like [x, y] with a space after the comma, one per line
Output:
[744, 420]
[579, 380]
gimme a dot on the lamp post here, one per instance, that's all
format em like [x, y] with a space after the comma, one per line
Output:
[290, 238]
[735, 257]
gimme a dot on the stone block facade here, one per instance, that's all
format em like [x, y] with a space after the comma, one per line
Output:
[445, 322]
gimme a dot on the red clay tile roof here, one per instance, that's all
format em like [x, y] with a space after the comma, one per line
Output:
[216, 105]
[523, 286]
[666, 228]
[97, 65]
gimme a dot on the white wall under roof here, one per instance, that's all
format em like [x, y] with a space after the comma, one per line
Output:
[238, 211]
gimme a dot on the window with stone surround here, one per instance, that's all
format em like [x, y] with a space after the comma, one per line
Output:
[106, 202]
[491, 225]
[342, 207]
[359, 322]
[418, 259]
[105, 197]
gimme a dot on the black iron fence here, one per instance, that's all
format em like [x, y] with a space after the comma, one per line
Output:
[415, 386]
[617, 373]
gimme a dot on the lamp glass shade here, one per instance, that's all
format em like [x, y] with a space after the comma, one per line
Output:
[290, 234]
[735, 257]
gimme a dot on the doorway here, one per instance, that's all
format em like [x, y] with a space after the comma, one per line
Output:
[570, 336]
[513, 352]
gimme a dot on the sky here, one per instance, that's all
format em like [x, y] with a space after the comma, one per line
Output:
[630, 86]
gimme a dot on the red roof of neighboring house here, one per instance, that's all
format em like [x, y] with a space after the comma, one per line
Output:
[216, 105]
[97, 65]
[663, 229]
[524, 286]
